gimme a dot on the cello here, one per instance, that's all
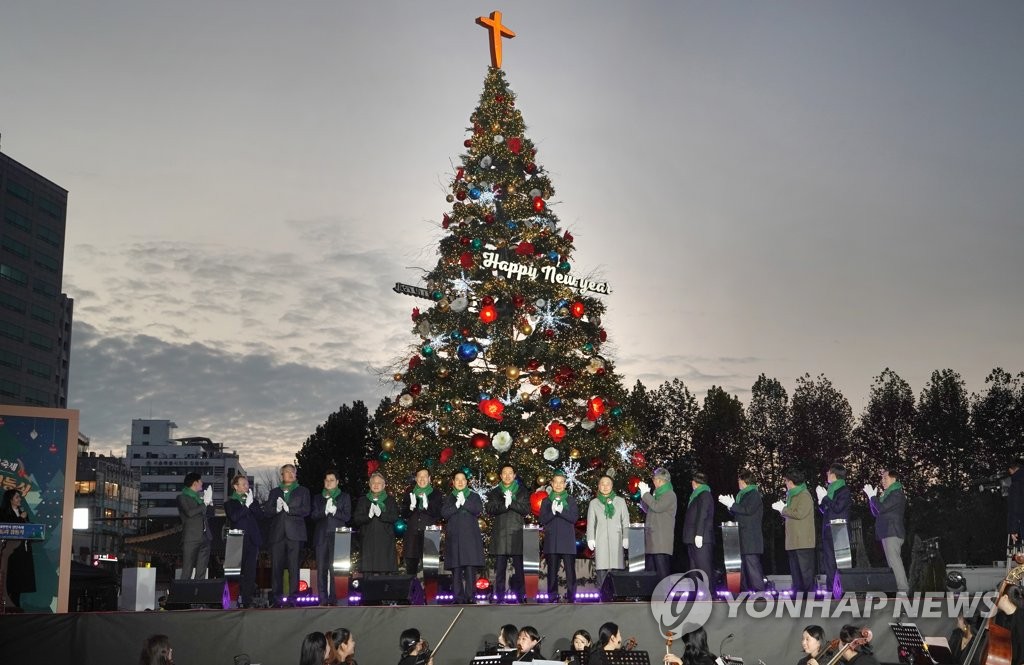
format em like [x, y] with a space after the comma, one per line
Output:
[997, 649]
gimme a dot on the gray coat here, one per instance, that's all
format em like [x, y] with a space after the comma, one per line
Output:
[463, 544]
[608, 533]
[749, 512]
[660, 525]
[194, 520]
[889, 514]
[507, 529]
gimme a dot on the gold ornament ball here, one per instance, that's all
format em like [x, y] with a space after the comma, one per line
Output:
[512, 372]
[542, 479]
[449, 198]
[536, 379]
[526, 329]
[443, 304]
[443, 372]
[482, 523]
[398, 376]
[524, 396]
[443, 430]
[492, 477]
[575, 453]
[387, 445]
[418, 437]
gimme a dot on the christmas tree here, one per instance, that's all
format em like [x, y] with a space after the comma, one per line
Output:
[509, 363]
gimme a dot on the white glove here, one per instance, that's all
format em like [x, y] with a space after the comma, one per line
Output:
[460, 501]
[423, 500]
[284, 506]
[592, 544]
[412, 501]
[698, 541]
[556, 506]
[280, 504]
[821, 492]
[331, 509]
[374, 510]
[249, 498]
[625, 543]
[508, 501]
[779, 505]
[208, 495]
[726, 500]
[870, 491]
[644, 488]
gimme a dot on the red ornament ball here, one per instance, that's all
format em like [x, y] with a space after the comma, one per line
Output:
[468, 143]
[461, 195]
[479, 441]
[515, 145]
[545, 390]
[530, 167]
[595, 462]
[446, 455]
[466, 260]
[549, 333]
[487, 300]
[577, 309]
[538, 204]
[638, 459]
[631, 485]
[489, 314]
[489, 218]
[415, 389]
[557, 431]
[536, 499]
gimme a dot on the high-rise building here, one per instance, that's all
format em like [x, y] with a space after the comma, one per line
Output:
[109, 489]
[163, 462]
[35, 316]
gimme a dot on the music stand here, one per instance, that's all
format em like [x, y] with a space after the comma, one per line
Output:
[574, 657]
[622, 657]
[486, 660]
[910, 641]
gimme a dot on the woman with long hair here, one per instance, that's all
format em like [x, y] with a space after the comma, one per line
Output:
[695, 650]
[526, 645]
[507, 636]
[414, 648]
[314, 649]
[156, 650]
[16, 558]
[813, 644]
[608, 639]
[341, 647]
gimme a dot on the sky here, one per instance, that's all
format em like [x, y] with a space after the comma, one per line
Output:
[782, 188]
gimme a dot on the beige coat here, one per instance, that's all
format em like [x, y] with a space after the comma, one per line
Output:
[800, 522]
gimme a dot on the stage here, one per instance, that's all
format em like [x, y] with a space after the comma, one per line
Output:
[767, 630]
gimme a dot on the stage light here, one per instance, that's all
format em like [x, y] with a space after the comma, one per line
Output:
[955, 581]
[303, 585]
[483, 584]
[80, 519]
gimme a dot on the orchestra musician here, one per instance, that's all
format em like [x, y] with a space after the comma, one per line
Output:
[507, 636]
[424, 509]
[960, 638]
[859, 651]
[528, 645]
[609, 638]
[463, 543]
[341, 647]
[415, 650]
[695, 650]
[813, 644]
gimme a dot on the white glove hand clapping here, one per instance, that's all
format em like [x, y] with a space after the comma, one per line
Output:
[779, 505]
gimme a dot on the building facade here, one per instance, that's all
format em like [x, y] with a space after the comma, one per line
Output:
[35, 316]
[162, 462]
[109, 488]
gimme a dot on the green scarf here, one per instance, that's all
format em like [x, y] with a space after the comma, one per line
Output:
[287, 488]
[514, 487]
[464, 492]
[892, 488]
[240, 498]
[558, 496]
[834, 487]
[608, 501]
[667, 487]
[745, 491]
[422, 491]
[332, 494]
[188, 491]
[802, 487]
[700, 489]
[377, 499]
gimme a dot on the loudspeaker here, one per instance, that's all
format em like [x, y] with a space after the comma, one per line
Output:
[388, 590]
[629, 586]
[857, 580]
[198, 594]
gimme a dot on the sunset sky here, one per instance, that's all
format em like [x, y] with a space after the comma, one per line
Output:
[789, 187]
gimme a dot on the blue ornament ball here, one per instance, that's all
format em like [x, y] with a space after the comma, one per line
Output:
[474, 193]
[553, 255]
[555, 403]
[400, 526]
[512, 226]
[467, 352]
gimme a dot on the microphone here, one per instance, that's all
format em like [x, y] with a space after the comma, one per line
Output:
[727, 638]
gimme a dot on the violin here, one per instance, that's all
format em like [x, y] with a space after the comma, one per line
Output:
[853, 645]
[425, 653]
[630, 644]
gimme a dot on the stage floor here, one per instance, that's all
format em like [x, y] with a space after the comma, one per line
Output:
[761, 630]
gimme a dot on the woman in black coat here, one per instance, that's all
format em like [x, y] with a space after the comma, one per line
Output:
[375, 515]
[463, 544]
[21, 571]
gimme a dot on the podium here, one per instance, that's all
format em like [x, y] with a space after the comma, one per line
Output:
[531, 559]
[431, 562]
[636, 555]
[732, 555]
[12, 535]
[841, 544]
[342, 564]
[138, 590]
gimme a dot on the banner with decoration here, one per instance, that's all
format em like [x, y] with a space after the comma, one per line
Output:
[38, 459]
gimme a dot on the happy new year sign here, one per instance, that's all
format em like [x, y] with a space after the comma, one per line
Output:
[549, 273]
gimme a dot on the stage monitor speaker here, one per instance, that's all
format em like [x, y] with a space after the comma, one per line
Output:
[859, 580]
[198, 594]
[620, 585]
[388, 590]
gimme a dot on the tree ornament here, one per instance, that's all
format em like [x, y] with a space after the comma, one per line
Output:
[443, 372]
[398, 377]
[492, 408]
[538, 204]
[489, 218]
[575, 453]
[388, 445]
[536, 380]
[405, 401]
[638, 459]
[502, 441]
[537, 498]
[526, 329]
[617, 412]
[577, 309]
[530, 167]
[492, 478]
[460, 303]
[525, 248]
[467, 471]
[515, 145]
[474, 193]
[479, 441]
[460, 195]
[446, 455]
[549, 334]
[555, 403]
[371, 466]
[595, 462]
[400, 526]
[595, 407]
[443, 304]
[384, 456]
[512, 372]
[485, 163]
[545, 390]
[588, 424]
[557, 432]
[468, 351]
[551, 454]
[535, 193]
[443, 430]
[468, 143]
[488, 314]
[415, 389]
[476, 243]
[632, 484]
[449, 198]
[466, 260]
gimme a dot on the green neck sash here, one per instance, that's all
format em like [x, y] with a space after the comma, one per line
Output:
[286, 488]
[240, 498]
[189, 492]
[464, 493]
[802, 487]
[700, 489]
[376, 498]
[558, 496]
[332, 494]
[834, 487]
[745, 491]
[514, 487]
[892, 488]
[422, 491]
[608, 501]
[667, 487]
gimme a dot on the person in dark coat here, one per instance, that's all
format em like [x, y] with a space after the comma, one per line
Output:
[888, 508]
[699, 527]
[833, 504]
[19, 569]
[422, 510]
[660, 522]
[748, 509]
[244, 513]
[331, 510]
[287, 507]
[463, 544]
[194, 508]
[558, 515]
[375, 515]
[509, 503]
[1015, 504]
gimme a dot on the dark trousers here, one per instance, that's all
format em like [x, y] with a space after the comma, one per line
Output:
[569, 563]
[801, 567]
[463, 584]
[518, 579]
[247, 579]
[751, 573]
[325, 571]
[659, 563]
[700, 559]
[828, 557]
[284, 554]
[195, 555]
[412, 566]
